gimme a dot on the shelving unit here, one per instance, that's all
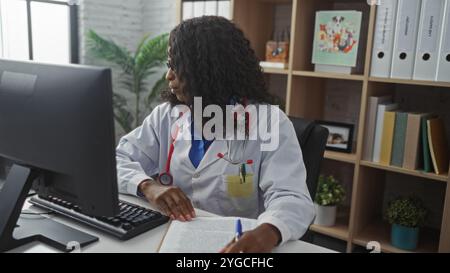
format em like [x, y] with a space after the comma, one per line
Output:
[305, 93]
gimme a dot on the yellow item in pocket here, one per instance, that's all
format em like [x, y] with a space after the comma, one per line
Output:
[236, 188]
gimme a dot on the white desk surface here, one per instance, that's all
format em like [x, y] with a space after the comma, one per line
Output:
[145, 243]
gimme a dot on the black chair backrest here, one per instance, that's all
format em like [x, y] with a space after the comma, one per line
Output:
[312, 138]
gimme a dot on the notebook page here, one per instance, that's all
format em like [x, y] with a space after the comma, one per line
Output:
[202, 234]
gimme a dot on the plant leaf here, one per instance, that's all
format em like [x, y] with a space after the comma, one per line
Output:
[109, 51]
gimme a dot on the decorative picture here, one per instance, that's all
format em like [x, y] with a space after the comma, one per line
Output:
[340, 136]
[336, 37]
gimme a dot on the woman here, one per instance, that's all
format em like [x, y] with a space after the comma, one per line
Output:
[209, 58]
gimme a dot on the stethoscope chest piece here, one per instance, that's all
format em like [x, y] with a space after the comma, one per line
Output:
[166, 179]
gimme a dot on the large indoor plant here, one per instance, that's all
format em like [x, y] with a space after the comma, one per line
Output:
[136, 67]
[406, 215]
[330, 193]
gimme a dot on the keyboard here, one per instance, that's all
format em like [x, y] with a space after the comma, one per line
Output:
[130, 222]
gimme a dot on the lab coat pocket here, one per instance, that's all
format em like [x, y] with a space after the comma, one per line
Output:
[236, 187]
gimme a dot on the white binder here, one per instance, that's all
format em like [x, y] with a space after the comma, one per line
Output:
[443, 73]
[383, 43]
[408, 12]
[430, 28]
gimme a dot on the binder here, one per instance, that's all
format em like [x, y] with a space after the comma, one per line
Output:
[384, 39]
[443, 73]
[428, 40]
[404, 52]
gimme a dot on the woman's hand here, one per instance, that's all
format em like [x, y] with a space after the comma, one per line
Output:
[261, 239]
[170, 200]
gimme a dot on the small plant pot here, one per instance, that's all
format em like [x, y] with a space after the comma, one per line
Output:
[325, 215]
[404, 237]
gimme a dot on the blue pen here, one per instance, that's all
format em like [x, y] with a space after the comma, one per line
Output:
[238, 230]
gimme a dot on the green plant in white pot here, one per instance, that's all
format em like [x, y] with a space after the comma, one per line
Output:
[406, 215]
[330, 193]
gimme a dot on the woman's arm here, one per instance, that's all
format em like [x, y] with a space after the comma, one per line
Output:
[138, 159]
[283, 182]
[137, 154]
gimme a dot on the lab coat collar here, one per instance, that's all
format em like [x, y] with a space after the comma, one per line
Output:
[210, 157]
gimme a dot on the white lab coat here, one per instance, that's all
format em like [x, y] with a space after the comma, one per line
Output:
[280, 196]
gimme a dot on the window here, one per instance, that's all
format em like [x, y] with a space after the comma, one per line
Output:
[41, 30]
[196, 8]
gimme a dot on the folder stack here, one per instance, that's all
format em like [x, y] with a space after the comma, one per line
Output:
[412, 40]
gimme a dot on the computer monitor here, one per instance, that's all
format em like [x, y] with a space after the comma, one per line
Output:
[57, 127]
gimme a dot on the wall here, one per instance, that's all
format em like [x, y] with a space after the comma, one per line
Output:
[125, 22]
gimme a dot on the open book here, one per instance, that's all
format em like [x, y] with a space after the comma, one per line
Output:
[202, 234]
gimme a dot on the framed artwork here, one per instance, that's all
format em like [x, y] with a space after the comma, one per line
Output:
[340, 137]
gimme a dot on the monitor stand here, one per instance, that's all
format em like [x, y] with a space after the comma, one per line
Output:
[16, 231]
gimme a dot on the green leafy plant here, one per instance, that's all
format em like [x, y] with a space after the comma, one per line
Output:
[406, 211]
[136, 68]
[329, 191]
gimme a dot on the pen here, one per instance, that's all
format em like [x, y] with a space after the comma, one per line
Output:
[238, 230]
[243, 173]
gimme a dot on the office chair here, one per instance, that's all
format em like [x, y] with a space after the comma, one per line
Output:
[312, 139]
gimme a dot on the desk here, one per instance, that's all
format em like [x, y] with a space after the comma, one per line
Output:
[145, 243]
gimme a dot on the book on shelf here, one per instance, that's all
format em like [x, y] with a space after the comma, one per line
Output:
[413, 157]
[438, 145]
[336, 40]
[427, 164]
[398, 141]
[379, 125]
[387, 137]
[371, 120]
[275, 65]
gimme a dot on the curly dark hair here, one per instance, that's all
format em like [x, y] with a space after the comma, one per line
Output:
[214, 60]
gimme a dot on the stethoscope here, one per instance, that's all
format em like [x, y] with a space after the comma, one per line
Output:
[166, 178]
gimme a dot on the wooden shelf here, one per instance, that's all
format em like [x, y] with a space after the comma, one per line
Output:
[410, 82]
[328, 75]
[275, 71]
[308, 94]
[339, 230]
[381, 232]
[343, 157]
[432, 176]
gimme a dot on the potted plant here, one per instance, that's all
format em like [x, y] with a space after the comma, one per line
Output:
[406, 215]
[330, 193]
[137, 67]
